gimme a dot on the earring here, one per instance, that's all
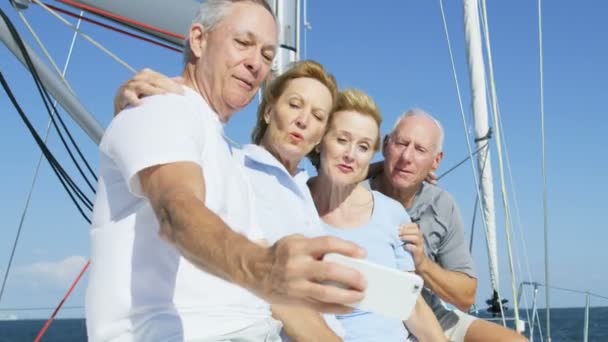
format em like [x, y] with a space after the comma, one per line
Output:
[318, 149]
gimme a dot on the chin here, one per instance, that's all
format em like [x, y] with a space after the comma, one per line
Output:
[239, 101]
[292, 152]
[341, 179]
[400, 183]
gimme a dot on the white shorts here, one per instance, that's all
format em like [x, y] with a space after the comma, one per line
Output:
[458, 331]
[266, 330]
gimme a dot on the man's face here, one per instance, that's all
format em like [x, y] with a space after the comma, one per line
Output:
[410, 153]
[235, 57]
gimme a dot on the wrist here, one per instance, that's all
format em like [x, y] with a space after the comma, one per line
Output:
[423, 265]
[256, 265]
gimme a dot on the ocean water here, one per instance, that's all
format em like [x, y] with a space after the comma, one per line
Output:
[566, 326]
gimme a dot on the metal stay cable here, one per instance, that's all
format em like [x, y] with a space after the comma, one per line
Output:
[544, 168]
[28, 199]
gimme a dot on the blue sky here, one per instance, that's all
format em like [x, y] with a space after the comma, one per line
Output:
[397, 52]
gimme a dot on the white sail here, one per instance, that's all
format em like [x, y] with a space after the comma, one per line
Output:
[167, 21]
[170, 20]
[480, 113]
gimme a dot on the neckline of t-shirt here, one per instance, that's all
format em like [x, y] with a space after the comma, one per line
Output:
[200, 97]
[263, 156]
[369, 220]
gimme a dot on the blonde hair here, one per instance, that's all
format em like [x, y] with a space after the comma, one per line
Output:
[308, 69]
[357, 101]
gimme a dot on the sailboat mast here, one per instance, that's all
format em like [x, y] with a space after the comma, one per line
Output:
[55, 85]
[288, 15]
[498, 129]
[480, 113]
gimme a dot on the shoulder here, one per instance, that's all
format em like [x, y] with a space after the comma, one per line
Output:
[160, 119]
[441, 204]
[160, 109]
[238, 155]
[438, 197]
[389, 208]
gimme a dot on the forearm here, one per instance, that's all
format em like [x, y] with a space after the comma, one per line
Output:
[453, 287]
[423, 324]
[204, 239]
[303, 324]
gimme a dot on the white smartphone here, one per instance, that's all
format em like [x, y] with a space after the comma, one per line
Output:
[390, 292]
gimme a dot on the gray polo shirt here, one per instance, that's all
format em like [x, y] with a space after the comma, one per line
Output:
[444, 241]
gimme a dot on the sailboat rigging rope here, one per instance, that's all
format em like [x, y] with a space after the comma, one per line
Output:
[519, 225]
[64, 178]
[61, 174]
[37, 169]
[40, 44]
[67, 183]
[503, 187]
[461, 162]
[485, 157]
[115, 29]
[52, 161]
[42, 308]
[545, 209]
[464, 123]
[61, 74]
[65, 297]
[307, 27]
[85, 36]
[464, 120]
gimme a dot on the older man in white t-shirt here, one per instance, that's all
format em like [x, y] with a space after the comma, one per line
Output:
[171, 240]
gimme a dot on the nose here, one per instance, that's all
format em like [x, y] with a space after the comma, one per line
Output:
[349, 153]
[408, 153]
[302, 120]
[253, 62]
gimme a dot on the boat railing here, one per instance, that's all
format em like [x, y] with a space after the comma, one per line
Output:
[535, 320]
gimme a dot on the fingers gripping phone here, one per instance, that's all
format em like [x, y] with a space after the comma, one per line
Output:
[390, 292]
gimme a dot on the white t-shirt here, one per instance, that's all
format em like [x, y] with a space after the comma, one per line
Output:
[283, 203]
[140, 287]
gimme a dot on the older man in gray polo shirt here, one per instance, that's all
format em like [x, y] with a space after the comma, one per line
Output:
[436, 240]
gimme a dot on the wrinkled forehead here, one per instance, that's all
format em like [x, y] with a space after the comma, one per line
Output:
[252, 20]
[418, 129]
[360, 124]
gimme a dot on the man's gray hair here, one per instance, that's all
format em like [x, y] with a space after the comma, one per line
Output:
[212, 12]
[421, 113]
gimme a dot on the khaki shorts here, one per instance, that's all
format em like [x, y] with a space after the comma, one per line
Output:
[458, 331]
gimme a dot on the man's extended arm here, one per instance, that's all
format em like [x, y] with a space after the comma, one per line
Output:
[176, 192]
[288, 272]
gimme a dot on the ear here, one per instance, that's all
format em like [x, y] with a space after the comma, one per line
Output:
[385, 146]
[267, 114]
[437, 161]
[197, 38]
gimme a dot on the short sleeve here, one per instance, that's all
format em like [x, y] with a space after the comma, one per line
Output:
[164, 129]
[452, 253]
